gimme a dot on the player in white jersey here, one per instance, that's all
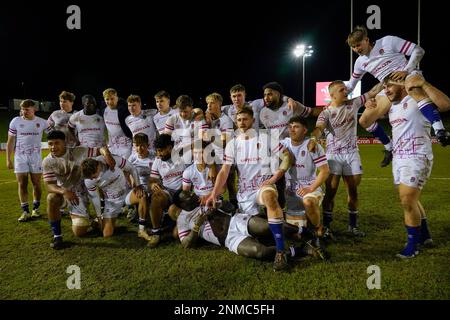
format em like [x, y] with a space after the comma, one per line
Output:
[185, 126]
[276, 112]
[304, 192]
[88, 126]
[221, 131]
[59, 119]
[275, 115]
[141, 121]
[24, 140]
[339, 120]
[116, 190]
[253, 163]
[165, 179]
[65, 187]
[114, 115]
[381, 58]
[162, 99]
[237, 233]
[413, 156]
[199, 176]
[140, 159]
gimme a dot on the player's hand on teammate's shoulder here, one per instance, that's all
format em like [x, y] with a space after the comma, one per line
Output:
[371, 103]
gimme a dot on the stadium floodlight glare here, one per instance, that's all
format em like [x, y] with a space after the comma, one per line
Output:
[303, 51]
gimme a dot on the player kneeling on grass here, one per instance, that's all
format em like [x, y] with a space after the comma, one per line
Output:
[165, 179]
[65, 187]
[238, 233]
[116, 190]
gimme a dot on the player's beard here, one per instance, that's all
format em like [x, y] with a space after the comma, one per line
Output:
[166, 157]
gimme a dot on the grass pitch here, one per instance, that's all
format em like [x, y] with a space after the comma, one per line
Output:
[124, 268]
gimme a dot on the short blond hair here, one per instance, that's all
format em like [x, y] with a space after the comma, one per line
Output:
[215, 97]
[133, 98]
[109, 92]
[357, 35]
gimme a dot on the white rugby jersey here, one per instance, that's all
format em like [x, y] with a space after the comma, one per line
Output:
[90, 129]
[161, 119]
[66, 170]
[341, 123]
[303, 172]
[279, 119]
[170, 173]
[116, 137]
[183, 131]
[28, 134]
[231, 111]
[143, 167]
[387, 56]
[59, 120]
[143, 123]
[410, 130]
[113, 183]
[199, 180]
[223, 125]
[186, 221]
[254, 161]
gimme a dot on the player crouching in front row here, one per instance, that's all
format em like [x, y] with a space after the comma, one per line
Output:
[116, 190]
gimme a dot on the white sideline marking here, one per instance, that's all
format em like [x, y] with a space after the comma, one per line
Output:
[5, 182]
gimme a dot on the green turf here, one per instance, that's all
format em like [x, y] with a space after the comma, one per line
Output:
[123, 268]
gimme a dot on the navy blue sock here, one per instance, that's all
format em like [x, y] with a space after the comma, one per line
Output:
[424, 232]
[56, 228]
[327, 218]
[142, 223]
[352, 218]
[429, 110]
[276, 226]
[36, 204]
[379, 133]
[413, 240]
[25, 207]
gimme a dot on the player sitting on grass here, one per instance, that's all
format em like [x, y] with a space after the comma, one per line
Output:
[238, 233]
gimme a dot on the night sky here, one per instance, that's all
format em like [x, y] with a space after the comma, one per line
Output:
[197, 47]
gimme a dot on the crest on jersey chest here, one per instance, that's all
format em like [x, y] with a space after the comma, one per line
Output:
[405, 106]
[285, 113]
[38, 125]
[381, 51]
[303, 153]
[333, 115]
[21, 125]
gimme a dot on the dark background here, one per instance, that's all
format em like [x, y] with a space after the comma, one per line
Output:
[197, 47]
